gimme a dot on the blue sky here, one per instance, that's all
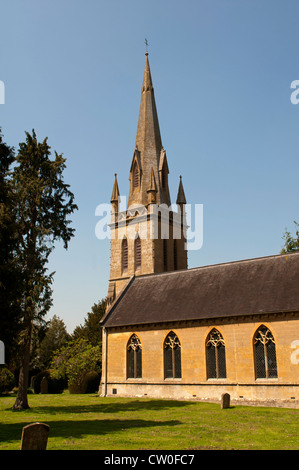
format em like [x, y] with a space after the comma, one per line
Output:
[222, 71]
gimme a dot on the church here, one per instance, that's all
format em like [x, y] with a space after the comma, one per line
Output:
[191, 334]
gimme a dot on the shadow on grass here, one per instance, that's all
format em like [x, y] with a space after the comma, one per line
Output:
[110, 407]
[78, 428]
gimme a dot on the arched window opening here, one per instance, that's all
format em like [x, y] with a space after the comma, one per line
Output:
[135, 177]
[175, 255]
[165, 254]
[134, 358]
[137, 253]
[124, 254]
[172, 356]
[265, 354]
[215, 354]
[164, 177]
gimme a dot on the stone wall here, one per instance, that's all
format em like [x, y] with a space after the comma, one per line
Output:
[240, 381]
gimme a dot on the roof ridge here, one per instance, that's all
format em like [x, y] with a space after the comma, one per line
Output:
[281, 255]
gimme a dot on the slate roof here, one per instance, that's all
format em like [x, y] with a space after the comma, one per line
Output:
[248, 287]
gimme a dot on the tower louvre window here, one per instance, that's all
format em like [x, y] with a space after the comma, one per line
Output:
[135, 176]
[175, 255]
[163, 178]
[215, 351]
[265, 354]
[124, 254]
[165, 254]
[137, 253]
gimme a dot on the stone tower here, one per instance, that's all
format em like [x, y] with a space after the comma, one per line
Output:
[149, 237]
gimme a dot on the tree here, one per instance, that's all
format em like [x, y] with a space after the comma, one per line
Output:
[291, 243]
[75, 361]
[55, 338]
[92, 330]
[10, 275]
[43, 203]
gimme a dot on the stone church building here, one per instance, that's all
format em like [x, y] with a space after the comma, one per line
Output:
[174, 332]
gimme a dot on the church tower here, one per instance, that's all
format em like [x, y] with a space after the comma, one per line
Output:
[149, 237]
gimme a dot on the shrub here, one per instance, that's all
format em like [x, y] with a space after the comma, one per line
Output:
[55, 385]
[7, 380]
[90, 384]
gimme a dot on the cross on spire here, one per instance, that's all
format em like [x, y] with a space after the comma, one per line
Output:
[146, 45]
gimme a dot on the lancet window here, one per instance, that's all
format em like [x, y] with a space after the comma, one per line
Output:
[265, 354]
[134, 357]
[165, 263]
[172, 356]
[124, 255]
[137, 252]
[135, 176]
[215, 354]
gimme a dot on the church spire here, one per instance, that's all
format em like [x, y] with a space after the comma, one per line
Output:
[148, 130]
[148, 147]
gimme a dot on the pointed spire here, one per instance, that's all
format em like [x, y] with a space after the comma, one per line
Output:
[148, 130]
[147, 84]
[181, 198]
[148, 141]
[115, 191]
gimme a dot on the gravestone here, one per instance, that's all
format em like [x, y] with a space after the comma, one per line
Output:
[35, 436]
[225, 400]
[33, 381]
[44, 385]
[2, 353]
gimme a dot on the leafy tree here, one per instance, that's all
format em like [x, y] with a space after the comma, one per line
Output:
[91, 330]
[55, 338]
[291, 243]
[43, 203]
[75, 361]
[10, 274]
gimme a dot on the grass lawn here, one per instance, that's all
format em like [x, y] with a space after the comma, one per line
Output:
[89, 422]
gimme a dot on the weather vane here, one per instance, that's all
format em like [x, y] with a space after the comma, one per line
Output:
[146, 44]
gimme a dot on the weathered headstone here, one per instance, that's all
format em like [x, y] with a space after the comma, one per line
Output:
[2, 353]
[32, 382]
[44, 385]
[35, 436]
[225, 400]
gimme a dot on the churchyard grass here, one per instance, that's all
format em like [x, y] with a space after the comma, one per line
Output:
[90, 422]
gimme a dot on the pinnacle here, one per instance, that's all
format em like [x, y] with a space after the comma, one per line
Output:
[115, 191]
[181, 198]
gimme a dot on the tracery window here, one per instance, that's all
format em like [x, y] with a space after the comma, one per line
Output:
[124, 255]
[172, 356]
[134, 358]
[265, 354]
[137, 252]
[215, 354]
